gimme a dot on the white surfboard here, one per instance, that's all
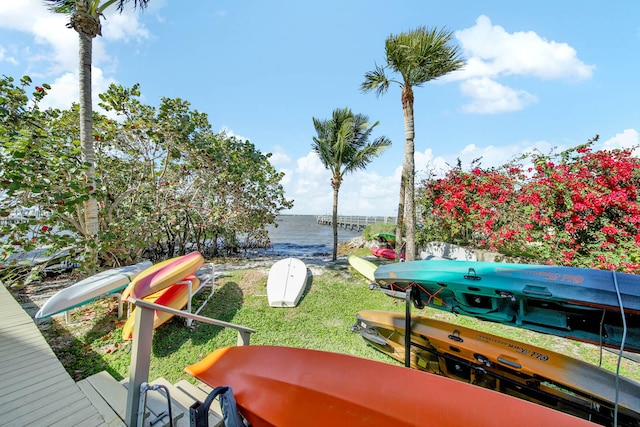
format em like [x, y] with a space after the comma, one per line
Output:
[104, 283]
[286, 282]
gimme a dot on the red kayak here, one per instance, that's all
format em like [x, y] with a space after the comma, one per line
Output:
[383, 252]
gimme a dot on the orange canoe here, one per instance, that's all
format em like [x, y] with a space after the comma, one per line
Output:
[175, 296]
[292, 387]
[512, 367]
[164, 274]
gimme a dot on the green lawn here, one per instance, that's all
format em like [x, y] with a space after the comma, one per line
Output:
[322, 320]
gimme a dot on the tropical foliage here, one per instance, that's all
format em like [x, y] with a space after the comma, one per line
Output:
[164, 180]
[342, 142]
[579, 207]
[419, 56]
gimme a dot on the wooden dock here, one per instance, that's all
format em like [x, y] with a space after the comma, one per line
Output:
[355, 223]
[35, 389]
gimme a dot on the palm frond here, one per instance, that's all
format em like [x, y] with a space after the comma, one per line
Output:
[375, 80]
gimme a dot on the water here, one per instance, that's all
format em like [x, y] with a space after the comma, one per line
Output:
[302, 236]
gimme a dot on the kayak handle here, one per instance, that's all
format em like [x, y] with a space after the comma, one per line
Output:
[542, 292]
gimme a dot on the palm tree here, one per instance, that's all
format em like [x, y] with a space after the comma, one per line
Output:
[343, 146]
[84, 18]
[418, 56]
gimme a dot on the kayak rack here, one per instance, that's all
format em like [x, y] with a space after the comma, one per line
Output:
[208, 282]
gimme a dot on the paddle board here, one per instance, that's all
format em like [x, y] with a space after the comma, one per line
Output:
[362, 266]
[286, 387]
[164, 274]
[575, 303]
[104, 283]
[286, 282]
[174, 296]
[515, 368]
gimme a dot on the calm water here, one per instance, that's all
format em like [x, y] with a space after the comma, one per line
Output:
[300, 236]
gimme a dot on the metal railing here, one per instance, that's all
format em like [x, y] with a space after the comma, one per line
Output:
[141, 349]
[354, 222]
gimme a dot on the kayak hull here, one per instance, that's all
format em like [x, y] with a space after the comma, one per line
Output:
[104, 283]
[511, 367]
[564, 301]
[286, 387]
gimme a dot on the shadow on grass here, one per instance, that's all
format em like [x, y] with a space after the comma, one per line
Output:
[223, 305]
[79, 357]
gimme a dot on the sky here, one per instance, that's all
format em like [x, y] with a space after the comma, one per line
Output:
[539, 75]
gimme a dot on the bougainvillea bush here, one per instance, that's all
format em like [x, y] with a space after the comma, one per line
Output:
[578, 207]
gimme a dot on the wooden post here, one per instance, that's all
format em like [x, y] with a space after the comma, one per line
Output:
[140, 361]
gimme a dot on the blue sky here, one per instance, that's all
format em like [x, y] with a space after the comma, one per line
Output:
[539, 75]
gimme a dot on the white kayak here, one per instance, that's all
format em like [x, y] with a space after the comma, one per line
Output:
[101, 284]
[286, 282]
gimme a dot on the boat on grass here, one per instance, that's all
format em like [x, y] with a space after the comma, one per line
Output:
[287, 387]
[363, 267]
[387, 253]
[596, 306]
[518, 369]
[286, 282]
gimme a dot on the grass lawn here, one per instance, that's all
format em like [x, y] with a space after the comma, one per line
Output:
[322, 320]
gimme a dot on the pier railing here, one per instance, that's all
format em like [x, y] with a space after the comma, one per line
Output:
[354, 223]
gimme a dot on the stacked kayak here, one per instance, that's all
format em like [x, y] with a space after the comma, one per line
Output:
[507, 366]
[287, 387]
[166, 283]
[595, 306]
[105, 283]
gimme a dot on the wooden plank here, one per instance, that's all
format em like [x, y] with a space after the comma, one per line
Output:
[29, 390]
[110, 417]
[35, 389]
[27, 412]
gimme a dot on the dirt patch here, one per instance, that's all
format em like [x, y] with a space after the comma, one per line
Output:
[253, 282]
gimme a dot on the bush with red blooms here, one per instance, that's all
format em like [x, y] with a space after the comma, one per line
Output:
[577, 208]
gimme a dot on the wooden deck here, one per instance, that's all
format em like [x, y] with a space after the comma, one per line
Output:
[35, 389]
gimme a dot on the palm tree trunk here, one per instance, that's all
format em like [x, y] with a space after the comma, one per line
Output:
[408, 167]
[336, 189]
[400, 217]
[86, 132]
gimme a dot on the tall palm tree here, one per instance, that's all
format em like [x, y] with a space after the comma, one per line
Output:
[84, 18]
[419, 56]
[343, 146]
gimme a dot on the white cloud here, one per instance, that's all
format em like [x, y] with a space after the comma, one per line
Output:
[279, 157]
[54, 56]
[7, 58]
[629, 138]
[492, 53]
[490, 97]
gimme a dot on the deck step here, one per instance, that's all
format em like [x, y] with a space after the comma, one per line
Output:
[196, 393]
[157, 404]
[110, 397]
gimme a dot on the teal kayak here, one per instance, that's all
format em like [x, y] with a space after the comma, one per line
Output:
[576, 303]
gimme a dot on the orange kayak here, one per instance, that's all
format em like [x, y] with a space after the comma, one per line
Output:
[515, 368]
[175, 296]
[292, 387]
